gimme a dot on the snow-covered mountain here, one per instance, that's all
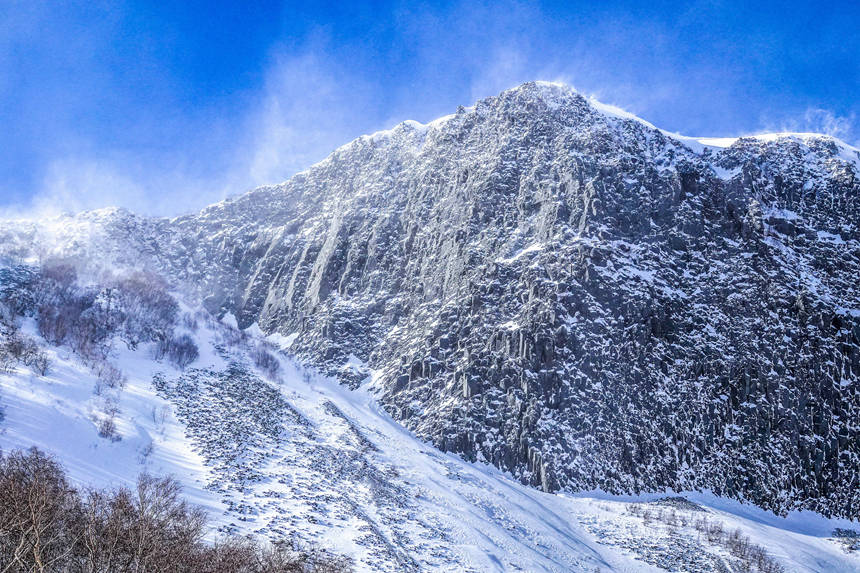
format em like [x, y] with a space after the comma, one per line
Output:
[287, 452]
[556, 288]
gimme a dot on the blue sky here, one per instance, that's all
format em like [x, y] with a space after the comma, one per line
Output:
[164, 107]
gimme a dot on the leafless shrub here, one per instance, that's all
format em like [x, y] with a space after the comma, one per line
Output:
[39, 363]
[180, 351]
[111, 405]
[137, 307]
[748, 556]
[17, 347]
[109, 376]
[159, 416]
[647, 517]
[848, 538]
[715, 532]
[294, 557]
[60, 320]
[108, 430]
[20, 347]
[671, 519]
[242, 554]
[145, 452]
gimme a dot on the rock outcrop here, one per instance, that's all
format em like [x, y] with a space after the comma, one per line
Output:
[563, 291]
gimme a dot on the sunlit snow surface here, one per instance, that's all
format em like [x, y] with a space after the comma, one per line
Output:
[339, 471]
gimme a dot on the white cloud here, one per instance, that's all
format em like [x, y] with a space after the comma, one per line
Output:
[819, 120]
[73, 184]
[815, 120]
[309, 106]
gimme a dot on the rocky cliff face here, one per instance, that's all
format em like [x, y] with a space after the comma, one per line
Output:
[563, 291]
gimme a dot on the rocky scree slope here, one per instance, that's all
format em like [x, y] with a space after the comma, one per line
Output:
[564, 291]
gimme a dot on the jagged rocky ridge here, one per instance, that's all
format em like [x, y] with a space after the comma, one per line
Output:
[566, 292]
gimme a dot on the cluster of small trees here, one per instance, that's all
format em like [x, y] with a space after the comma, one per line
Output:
[47, 525]
[750, 556]
[150, 311]
[18, 348]
[136, 308]
[15, 346]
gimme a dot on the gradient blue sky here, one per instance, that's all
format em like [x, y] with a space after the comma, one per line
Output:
[164, 107]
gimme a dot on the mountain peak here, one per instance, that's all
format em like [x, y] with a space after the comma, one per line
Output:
[555, 93]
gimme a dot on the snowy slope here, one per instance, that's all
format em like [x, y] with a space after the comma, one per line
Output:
[58, 412]
[325, 463]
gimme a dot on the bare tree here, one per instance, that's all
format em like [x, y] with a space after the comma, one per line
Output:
[164, 524]
[46, 526]
[37, 507]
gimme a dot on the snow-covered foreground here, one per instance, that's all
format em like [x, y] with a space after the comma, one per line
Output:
[305, 456]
